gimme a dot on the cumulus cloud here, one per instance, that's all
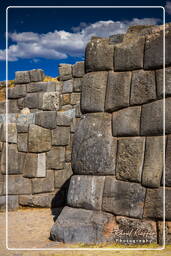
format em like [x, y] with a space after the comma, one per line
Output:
[61, 44]
[168, 7]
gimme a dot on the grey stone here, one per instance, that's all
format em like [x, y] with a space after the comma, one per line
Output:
[68, 154]
[44, 184]
[11, 134]
[143, 87]
[67, 86]
[22, 142]
[99, 55]
[18, 91]
[74, 124]
[78, 69]
[19, 185]
[56, 158]
[51, 101]
[39, 139]
[75, 98]
[94, 149]
[153, 162]
[82, 226]
[129, 54]
[130, 158]
[36, 75]
[116, 39]
[63, 119]
[13, 106]
[77, 84]
[25, 119]
[60, 136]
[2, 107]
[59, 86]
[12, 203]
[22, 77]
[86, 192]
[65, 99]
[118, 89]
[65, 71]
[46, 119]
[20, 103]
[126, 122]
[154, 203]
[34, 165]
[93, 92]
[160, 82]
[22, 128]
[166, 227]
[62, 176]
[78, 111]
[123, 198]
[67, 107]
[32, 100]
[37, 87]
[168, 162]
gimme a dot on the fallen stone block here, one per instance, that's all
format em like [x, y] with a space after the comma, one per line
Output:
[45, 184]
[34, 165]
[60, 136]
[56, 158]
[78, 69]
[62, 176]
[46, 119]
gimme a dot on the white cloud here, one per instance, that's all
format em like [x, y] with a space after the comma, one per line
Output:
[168, 7]
[61, 44]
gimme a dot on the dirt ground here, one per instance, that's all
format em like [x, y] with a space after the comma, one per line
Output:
[30, 228]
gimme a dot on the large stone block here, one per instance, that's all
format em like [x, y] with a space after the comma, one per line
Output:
[67, 86]
[34, 165]
[153, 162]
[160, 82]
[94, 149]
[60, 136]
[12, 203]
[152, 117]
[36, 75]
[13, 106]
[22, 142]
[62, 176]
[77, 84]
[118, 89]
[56, 158]
[65, 71]
[22, 128]
[78, 69]
[18, 185]
[75, 98]
[42, 185]
[143, 87]
[129, 54]
[25, 119]
[82, 226]
[46, 119]
[22, 77]
[65, 99]
[126, 122]
[168, 162]
[37, 87]
[63, 118]
[123, 198]
[39, 139]
[11, 133]
[86, 192]
[32, 100]
[130, 158]
[154, 203]
[51, 101]
[99, 55]
[93, 92]
[17, 92]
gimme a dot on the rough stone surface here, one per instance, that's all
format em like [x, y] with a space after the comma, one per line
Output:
[167, 232]
[77, 84]
[65, 99]
[67, 86]
[18, 185]
[63, 119]
[143, 87]
[13, 106]
[130, 158]
[39, 139]
[22, 128]
[160, 82]
[34, 165]
[78, 69]
[51, 101]
[62, 176]
[99, 55]
[128, 55]
[45, 185]
[22, 142]
[86, 192]
[118, 89]
[154, 203]
[17, 92]
[65, 71]
[61, 136]
[12, 203]
[123, 198]
[75, 98]
[2, 107]
[93, 92]
[94, 150]
[153, 162]
[32, 100]
[46, 119]
[55, 158]
[36, 75]
[168, 162]
[82, 226]
[126, 122]
[12, 133]
[37, 87]
[22, 77]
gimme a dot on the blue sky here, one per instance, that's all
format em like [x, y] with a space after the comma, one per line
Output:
[43, 38]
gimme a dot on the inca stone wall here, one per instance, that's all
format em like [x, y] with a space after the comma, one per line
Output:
[116, 191]
[41, 123]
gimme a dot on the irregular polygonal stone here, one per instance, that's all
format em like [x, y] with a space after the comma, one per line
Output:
[22, 77]
[118, 88]
[99, 55]
[67, 86]
[130, 158]
[18, 185]
[65, 99]
[75, 98]
[22, 142]
[36, 75]
[152, 117]
[143, 87]
[45, 184]
[74, 124]
[77, 84]
[32, 100]
[18, 91]
[25, 119]
[13, 106]
[2, 107]
[34, 165]
[22, 128]
[11, 133]
[168, 162]
[63, 119]
[93, 92]
[154, 203]
[46, 119]
[39, 139]
[126, 122]
[82, 226]
[160, 82]
[129, 54]
[94, 149]
[68, 154]
[51, 101]
[123, 198]
[55, 158]
[60, 136]
[78, 69]
[12, 203]
[37, 87]
[65, 71]
[86, 192]
[153, 162]
[63, 176]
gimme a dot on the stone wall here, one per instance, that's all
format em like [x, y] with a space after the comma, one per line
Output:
[41, 123]
[116, 192]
